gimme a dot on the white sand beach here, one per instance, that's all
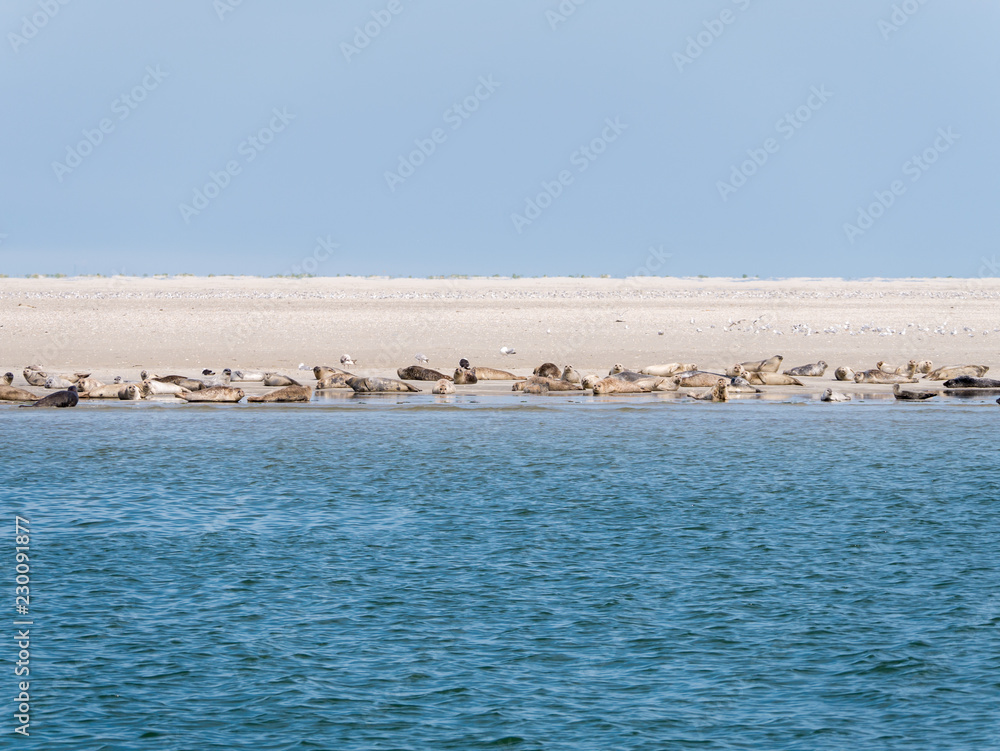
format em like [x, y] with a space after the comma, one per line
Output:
[182, 324]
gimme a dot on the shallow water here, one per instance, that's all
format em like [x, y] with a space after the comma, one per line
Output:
[389, 574]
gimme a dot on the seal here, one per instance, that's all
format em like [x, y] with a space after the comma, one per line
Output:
[248, 375]
[286, 394]
[67, 398]
[742, 386]
[34, 377]
[553, 384]
[464, 364]
[86, 384]
[612, 385]
[761, 378]
[130, 393]
[911, 396]
[697, 379]
[924, 366]
[379, 385]
[111, 391]
[7, 380]
[844, 373]
[908, 370]
[57, 382]
[222, 394]
[12, 394]
[770, 365]
[536, 388]
[465, 375]
[223, 380]
[493, 374]
[444, 386]
[738, 371]
[877, 376]
[547, 370]
[954, 371]
[834, 396]
[190, 384]
[276, 379]
[570, 375]
[157, 388]
[420, 373]
[322, 371]
[667, 369]
[333, 381]
[971, 382]
[815, 370]
[718, 393]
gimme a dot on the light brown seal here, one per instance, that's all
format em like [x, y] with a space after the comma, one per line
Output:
[444, 386]
[770, 365]
[322, 371]
[877, 376]
[773, 379]
[12, 394]
[570, 375]
[553, 384]
[612, 385]
[697, 379]
[277, 379]
[285, 394]
[465, 375]
[493, 374]
[844, 373]
[668, 369]
[224, 394]
[111, 391]
[718, 393]
[954, 371]
[333, 381]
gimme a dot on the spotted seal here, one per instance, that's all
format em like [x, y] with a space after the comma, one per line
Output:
[420, 373]
[371, 385]
[221, 394]
[770, 365]
[284, 394]
[815, 370]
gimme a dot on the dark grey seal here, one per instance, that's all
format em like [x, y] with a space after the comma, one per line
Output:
[971, 382]
[67, 398]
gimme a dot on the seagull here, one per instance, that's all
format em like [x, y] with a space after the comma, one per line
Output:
[422, 358]
[302, 366]
[346, 360]
[507, 351]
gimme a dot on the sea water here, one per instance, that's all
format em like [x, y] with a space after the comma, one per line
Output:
[485, 573]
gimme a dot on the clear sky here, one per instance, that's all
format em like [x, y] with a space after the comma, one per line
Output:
[421, 137]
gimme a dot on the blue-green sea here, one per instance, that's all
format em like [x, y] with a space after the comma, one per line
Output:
[498, 574]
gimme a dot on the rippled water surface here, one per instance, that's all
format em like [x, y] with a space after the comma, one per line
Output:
[602, 576]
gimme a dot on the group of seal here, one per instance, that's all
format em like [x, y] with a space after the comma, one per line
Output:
[547, 378]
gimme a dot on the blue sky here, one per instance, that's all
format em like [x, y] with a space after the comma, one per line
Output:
[408, 137]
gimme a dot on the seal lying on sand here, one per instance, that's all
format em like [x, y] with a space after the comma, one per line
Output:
[612, 385]
[58, 382]
[843, 373]
[954, 371]
[718, 393]
[34, 377]
[774, 379]
[537, 388]
[971, 382]
[12, 394]
[815, 370]
[222, 380]
[277, 379]
[444, 386]
[286, 394]
[215, 394]
[157, 388]
[111, 391]
[553, 384]
[322, 371]
[770, 365]
[419, 373]
[834, 396]
[737, 371]
[67, 398]
[248, 375]
[877, 376]
[668, 369]
[898, 392]
[742, 386]
[333, 381]
[130, 393]
[908, 370]
[465, 375]
[697, 378]
[547, 370]
[570, 375]
[483, 373]
[379, 385]
[7, 380]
